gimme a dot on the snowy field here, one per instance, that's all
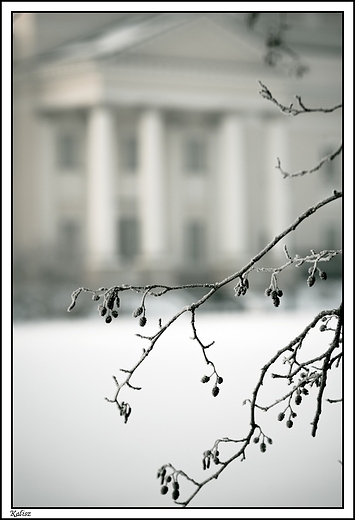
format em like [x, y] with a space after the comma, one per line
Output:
[72, 449]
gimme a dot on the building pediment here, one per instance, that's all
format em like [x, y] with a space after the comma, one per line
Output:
[176, 36]
[200, 38]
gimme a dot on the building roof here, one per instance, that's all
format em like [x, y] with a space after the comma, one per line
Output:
[94, 35]
[190, 60]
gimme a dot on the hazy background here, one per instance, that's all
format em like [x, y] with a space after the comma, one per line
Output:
[71, 447]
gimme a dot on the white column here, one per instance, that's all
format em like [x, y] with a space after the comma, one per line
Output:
[101, 211]
[278, 195]
[153, 194]
[48, 188]
[232, 189]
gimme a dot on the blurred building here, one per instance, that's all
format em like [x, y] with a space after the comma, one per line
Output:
[143, 151]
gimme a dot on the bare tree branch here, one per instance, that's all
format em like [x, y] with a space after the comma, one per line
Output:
[301, 374]
[291, 110]
[300, 173]
[169, 473]
[111, 299]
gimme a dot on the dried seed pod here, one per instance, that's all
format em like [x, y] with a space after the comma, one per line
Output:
[205, 379]
[108, 319]
[215, 391]
[127, 414]
[268, 291]
[176, 484]
[114, 314]
[298, 399]
[263, 447]
[281, 416]
[289, 423]
[279, 293]
[256, 440]
[323, 275]
[322, 328]
[269, 440]
[175, 494]
[276, 301]
[311, 280]
[305, 391]
[142, 321]
[164, 490]
[219, 380]
[137, 312]
[102, 310]
[168, 479]
[95, 297]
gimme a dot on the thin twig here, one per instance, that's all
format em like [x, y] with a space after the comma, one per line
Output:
[291, 110]
[300, 173]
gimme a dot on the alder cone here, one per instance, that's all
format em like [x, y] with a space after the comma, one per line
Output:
[175, 494]
[215, 391]
[164, 490]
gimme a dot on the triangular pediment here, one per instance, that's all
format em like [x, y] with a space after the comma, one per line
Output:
[181, 37]
[200, 39]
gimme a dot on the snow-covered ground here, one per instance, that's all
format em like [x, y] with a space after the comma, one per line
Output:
[72, 449]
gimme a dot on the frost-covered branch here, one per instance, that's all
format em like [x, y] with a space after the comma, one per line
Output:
[111, 300]
[290, 109]
[302, 371]
[300, 173]
[307, 377]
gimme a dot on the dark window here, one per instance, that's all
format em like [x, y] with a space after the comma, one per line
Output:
[67, 151]
[129, 154]
[195, 241]
[68, 239]
[128, 237]
[194, 155]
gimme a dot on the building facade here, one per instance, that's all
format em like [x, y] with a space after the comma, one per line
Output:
[144, 153]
